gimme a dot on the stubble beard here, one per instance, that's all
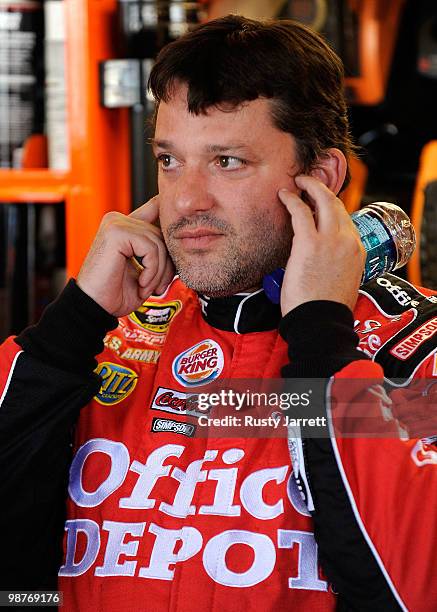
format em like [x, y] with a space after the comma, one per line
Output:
[237, 264]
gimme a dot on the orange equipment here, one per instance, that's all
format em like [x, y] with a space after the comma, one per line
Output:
[99, 175]
[427, 173]
[377, 27]
[354, 192]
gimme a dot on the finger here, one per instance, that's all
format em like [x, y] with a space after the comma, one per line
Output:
[162, 283]
[145, 232]
[162, 256]
[167, 277]
[301, 214]
[148, 212]
[126, 235]
[159, 250]
[158, 285]
[329, 210]
[154, 259]
[144, 227]
[149, 275]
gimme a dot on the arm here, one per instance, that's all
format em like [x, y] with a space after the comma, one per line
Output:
[46, 377]
[373, 502]
[322, 342]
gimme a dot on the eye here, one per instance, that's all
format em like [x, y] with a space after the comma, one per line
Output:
[166, 161]
[227, 162]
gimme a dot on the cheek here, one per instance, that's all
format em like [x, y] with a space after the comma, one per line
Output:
[165, 217]
[249, 196]
[262, 202]
[281, 216]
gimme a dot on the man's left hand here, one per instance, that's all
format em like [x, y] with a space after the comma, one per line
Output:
[327, 257]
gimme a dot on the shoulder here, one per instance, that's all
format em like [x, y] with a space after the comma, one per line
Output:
[139, 339]
[141, 335]
[392, 296]
[397, 325]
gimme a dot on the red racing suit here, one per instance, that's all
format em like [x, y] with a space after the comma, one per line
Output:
[159, 518]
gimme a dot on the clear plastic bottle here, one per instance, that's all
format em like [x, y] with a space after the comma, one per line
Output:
[387, 235]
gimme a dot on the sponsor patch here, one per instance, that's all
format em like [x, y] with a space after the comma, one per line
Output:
[369, 344]
[402, 297]
[199, 365]
[156, 317]
[368, 326]
[160, 425]
[113, 343]
[176, 402]
[117, 383]
[141, 335]
[143, 355]
[409, 345]
[394, 295]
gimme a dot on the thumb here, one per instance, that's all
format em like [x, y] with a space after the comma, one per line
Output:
[148, 212]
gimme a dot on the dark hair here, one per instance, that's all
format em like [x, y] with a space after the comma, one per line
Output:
[231, 60]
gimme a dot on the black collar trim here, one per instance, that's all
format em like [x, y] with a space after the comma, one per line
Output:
[242, 313]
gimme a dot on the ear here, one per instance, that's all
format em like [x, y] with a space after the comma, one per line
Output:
[330, 168]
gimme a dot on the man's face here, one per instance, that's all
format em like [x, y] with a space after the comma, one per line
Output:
[219, 176]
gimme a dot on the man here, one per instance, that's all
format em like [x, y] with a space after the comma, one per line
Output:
[251, 141]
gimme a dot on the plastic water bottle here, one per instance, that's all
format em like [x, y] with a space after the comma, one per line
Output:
[387, 235]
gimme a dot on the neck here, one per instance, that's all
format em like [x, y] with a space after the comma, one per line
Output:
[241, 313]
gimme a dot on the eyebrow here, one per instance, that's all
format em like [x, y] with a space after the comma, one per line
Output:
[213, 148]
[159, 144]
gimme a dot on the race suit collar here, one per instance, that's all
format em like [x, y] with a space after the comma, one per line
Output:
[241, 313]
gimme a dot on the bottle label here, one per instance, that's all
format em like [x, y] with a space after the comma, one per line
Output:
[379, 245]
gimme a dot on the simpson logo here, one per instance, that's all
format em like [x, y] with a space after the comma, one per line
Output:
[168, 425]
[156, 317]
[117, 383]
[199, 365]
[409, 345]
[175, 402]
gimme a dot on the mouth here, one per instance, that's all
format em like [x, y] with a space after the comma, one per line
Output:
[198, 238]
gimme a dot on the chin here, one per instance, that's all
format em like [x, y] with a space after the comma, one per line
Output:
[220, 287]
[205, 286]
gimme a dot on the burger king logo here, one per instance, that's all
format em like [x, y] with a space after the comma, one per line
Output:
[199, 365]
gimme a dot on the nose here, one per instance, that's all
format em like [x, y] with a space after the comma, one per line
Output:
[191, 193]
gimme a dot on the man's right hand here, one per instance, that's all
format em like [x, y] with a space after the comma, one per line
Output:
[109, 276]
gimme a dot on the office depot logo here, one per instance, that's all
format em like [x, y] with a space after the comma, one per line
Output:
[199, 365]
